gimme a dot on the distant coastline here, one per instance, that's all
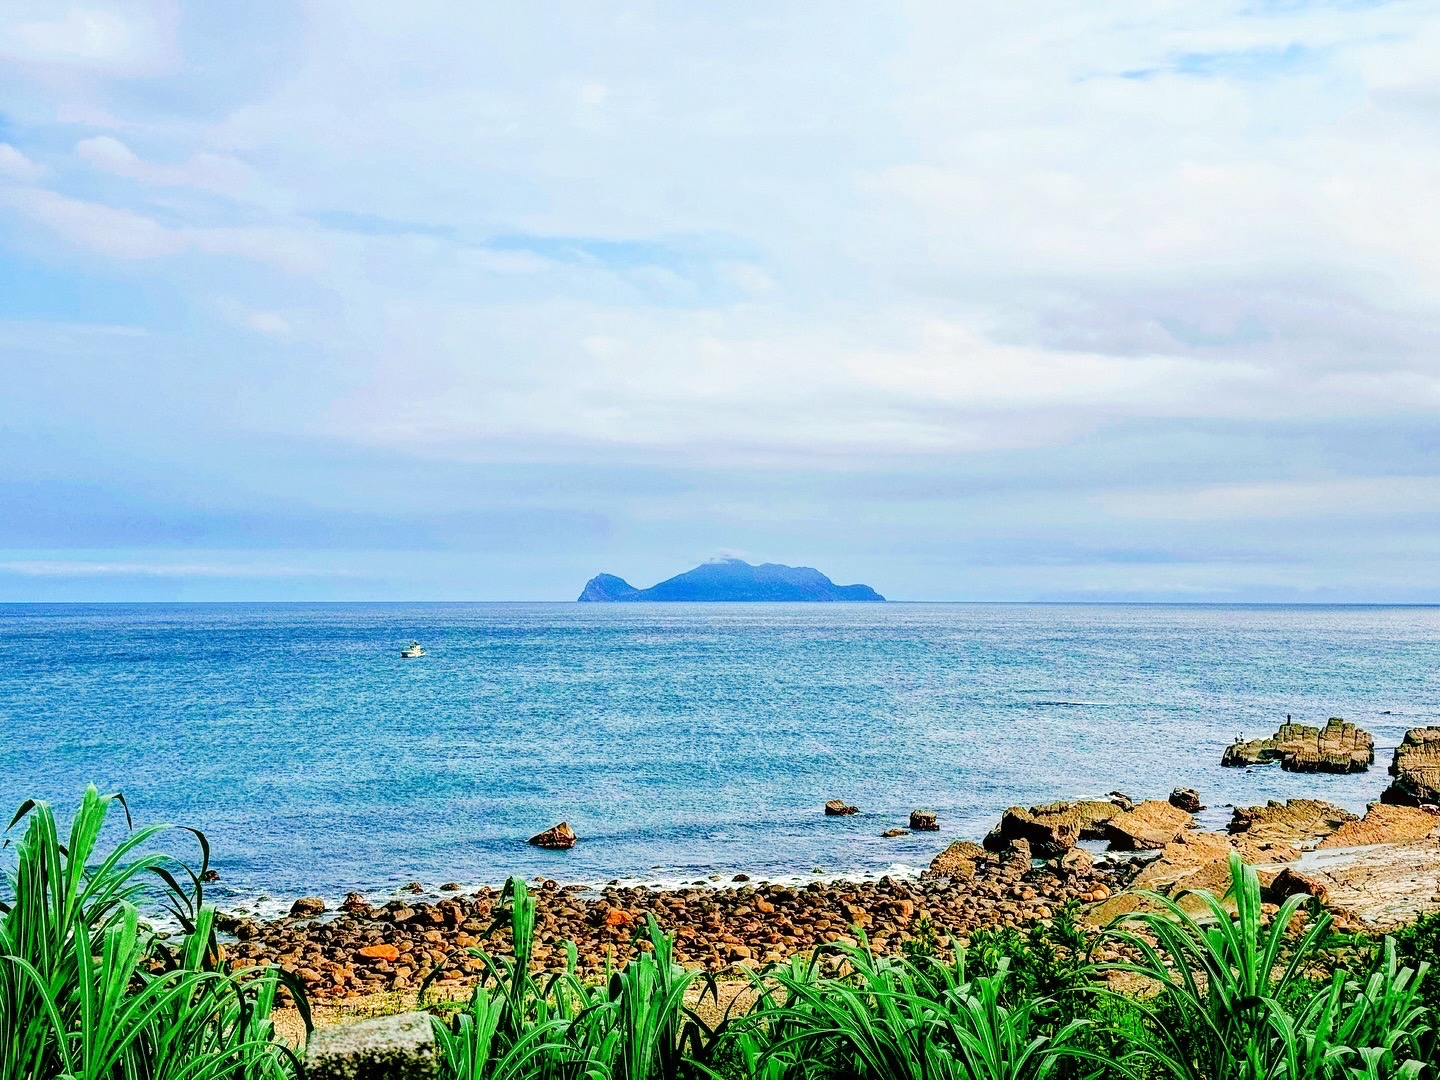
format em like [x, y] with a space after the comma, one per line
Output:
[731, 580]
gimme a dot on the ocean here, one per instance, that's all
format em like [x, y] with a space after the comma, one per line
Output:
[680, 741]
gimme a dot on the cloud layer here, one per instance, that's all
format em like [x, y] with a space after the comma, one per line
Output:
[1038, 300]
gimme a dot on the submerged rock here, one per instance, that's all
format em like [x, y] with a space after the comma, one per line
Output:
[839, 808]
[1338, 747]
[1416, 769]
[890, 834]
[559, 838]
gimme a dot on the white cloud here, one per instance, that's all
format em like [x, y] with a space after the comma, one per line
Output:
[131, 38]
[1347, 497]
[16, 166]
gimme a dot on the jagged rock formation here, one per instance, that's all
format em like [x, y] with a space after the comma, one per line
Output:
[1385, 824]
[1416, 769]
[731, 580]
[1053, 829]
[1338, 747]
[1150, 825]
[1296, 822]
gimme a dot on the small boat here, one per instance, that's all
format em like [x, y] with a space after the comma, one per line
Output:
[411, 651]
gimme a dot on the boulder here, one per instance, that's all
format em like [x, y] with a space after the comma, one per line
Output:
[1076, 861]
[958, 860]
[839, 808]
[559, 838]
[1151, 825]
[1385, 823]
[1291, 882]
[307, 907]
[924, 821]
[892, 833]
[1053, 829]
[1338, 747]
[1297, 822]
[1416, 769]
[1187, 799]
[355, 904]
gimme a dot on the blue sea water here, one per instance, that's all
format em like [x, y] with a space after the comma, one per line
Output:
[678, 740]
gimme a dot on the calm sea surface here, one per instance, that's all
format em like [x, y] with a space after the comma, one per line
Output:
[678, 740]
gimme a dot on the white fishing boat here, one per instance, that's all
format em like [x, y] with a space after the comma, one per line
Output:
[411, 651]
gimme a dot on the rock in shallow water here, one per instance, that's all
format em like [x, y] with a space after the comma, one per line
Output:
[839, 808]
[1187, 799]
[1338, 747]
[559, 838]
[1416, 769]
[924, 821]
[307, 907]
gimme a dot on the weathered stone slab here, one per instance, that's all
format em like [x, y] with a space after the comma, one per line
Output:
[386, 1048]
[1385, 824]
[1296, 822]
[1151, 824]
[1416, 769]
[1338, 747]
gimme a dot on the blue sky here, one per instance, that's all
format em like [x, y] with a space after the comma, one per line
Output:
[364, 300]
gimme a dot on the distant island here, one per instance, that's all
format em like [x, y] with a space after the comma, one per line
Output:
[729, 580]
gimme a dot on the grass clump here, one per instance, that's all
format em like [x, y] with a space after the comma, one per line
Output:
[89, 992]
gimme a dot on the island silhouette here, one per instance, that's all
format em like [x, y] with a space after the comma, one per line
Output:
[730, 580]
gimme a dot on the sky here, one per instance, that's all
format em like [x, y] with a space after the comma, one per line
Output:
[358, 300]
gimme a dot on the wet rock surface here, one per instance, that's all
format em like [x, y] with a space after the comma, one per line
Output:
[559, 838]
[840, 808]
[1416, 769]
[1338, 747]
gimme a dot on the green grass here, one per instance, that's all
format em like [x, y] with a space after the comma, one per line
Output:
[88, 991]
[1218, 989]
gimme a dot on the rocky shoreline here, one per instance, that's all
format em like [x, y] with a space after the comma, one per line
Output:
[367, 949]
[1372, 871]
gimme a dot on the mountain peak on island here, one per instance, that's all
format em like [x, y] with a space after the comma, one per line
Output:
[730, 580]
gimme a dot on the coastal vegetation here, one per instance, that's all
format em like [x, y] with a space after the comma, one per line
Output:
[1199, 985]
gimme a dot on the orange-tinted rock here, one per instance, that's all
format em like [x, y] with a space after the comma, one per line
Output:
[1152, 824]
[839, 808]
[1297, 822]
[379, 952]
[958, 860]
[1416, 769]
[560, 838]
[1385, 824]
[1338, 747]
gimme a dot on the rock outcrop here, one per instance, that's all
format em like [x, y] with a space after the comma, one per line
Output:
[1053, 829]
[840, 808]
[1187, 799]
[307, 907]
[924, 821]
[1416, 769]
[559, 838]
[958, 860]
[1384, 823]
[1338, 747]
[1150, 825]
[1296, 822]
